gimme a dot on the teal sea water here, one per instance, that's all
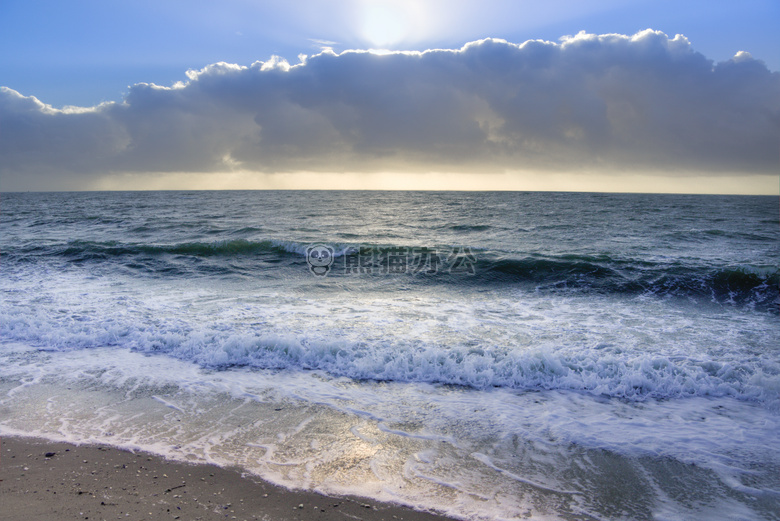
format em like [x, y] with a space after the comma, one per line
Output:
[489, 355]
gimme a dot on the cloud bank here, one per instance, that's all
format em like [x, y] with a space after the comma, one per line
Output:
[607, 103]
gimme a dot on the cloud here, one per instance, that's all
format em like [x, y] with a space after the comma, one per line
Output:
[605, 103]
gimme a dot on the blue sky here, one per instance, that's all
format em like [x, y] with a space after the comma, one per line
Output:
[496, 94]
[83, 52]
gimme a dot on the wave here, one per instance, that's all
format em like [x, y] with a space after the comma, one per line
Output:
[631, 376]
[103, 250]
[754, 286]
[749, 285]
[470, 227]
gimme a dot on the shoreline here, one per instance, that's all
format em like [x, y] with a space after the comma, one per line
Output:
[41, 480]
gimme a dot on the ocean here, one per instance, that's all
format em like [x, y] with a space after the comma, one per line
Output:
[490, 355]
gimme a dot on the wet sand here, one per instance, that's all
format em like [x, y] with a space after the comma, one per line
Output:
[42, 480]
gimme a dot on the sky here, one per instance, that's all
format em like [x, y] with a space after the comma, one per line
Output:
[607, 95]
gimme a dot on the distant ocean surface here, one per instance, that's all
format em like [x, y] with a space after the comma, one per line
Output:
[489, 355]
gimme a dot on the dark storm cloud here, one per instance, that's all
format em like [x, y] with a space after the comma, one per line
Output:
[608, 102]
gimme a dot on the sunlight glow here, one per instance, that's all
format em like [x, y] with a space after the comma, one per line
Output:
[385, 23]
[648, 182]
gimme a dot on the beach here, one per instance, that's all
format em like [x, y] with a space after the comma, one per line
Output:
[486, 356]
[44, 480]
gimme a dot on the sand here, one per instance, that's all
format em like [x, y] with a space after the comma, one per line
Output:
[42, 480]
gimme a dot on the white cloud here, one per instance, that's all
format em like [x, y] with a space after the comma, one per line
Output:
[607, 103]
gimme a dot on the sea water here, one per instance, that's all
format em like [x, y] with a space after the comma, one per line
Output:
[489, 355]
